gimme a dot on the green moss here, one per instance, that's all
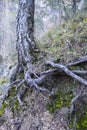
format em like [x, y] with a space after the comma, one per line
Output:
[81, 123]
[63, 94]
[15, 106]
[12, 92]
[2, 80]
[2, 109]
[58, 100]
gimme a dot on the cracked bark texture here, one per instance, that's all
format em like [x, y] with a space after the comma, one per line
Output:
[25, 31]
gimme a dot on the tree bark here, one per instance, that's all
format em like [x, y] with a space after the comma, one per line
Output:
[74, 6]
[25, 32]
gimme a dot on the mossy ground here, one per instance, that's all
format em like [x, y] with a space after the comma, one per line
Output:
[81, 121]
[10, 101]
[63, 94]
[66, 90]
[65, 44]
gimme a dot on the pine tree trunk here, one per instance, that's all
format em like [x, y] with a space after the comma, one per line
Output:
[74, 6]
[25, 32]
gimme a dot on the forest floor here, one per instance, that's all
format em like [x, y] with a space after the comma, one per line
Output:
[39, 111]
[35, 116]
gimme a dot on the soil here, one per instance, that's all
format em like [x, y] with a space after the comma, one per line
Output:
[33, 115]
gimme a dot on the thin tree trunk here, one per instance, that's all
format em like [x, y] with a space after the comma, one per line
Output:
[74, 6]
[25, 32]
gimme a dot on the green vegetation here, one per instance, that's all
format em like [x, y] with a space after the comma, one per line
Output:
[59, 100]
[10, 101]
[81, 122]
[67, 42]
[2, 80]
[2, 109]
[63, 95]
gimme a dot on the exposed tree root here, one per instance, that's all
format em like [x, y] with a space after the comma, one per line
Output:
[20, 95]
[71, 73]
[14, 74]
[9, 87]
[68, 72]
[31, 80]
[79, 61]
[60, 72]
[20, 84]
[73, 101]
